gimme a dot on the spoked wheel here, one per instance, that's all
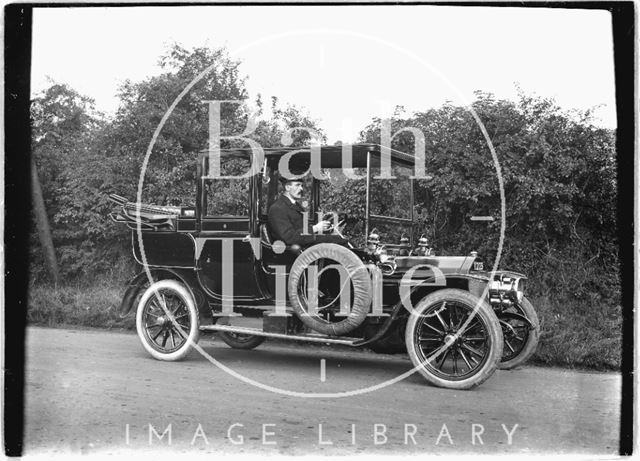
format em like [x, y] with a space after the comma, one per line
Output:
[241, 341]
[520, 337]
[447, 354]
[167, 320]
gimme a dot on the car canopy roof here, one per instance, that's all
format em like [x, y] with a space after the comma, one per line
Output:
[330, 156]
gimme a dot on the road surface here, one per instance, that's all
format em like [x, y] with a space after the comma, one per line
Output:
[92, 391]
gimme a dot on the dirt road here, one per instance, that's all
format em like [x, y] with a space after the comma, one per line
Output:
[98, 392]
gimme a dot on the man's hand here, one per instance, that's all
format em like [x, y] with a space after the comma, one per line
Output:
[322, 227]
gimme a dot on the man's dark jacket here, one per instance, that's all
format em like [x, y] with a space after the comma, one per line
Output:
[285, 223]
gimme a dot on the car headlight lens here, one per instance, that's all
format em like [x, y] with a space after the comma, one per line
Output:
[505, 288]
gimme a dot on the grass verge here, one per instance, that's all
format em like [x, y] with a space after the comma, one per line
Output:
[92, 306]
[580, 334]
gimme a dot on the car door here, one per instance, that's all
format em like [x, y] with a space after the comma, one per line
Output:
[226, 258]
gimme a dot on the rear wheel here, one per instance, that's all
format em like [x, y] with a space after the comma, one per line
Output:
[454, 339]
[167, 320]
[241, 341]
[520, 337]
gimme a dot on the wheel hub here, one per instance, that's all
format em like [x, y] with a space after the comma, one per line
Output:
[451, 339]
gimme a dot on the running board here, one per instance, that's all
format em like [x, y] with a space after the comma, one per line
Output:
[309, 337]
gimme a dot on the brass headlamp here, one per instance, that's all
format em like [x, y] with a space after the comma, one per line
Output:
[506, 289]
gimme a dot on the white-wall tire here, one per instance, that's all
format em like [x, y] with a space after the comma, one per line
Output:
[162, 332]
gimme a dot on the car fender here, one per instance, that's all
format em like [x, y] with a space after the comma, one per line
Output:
[514, 316]
[138, 282]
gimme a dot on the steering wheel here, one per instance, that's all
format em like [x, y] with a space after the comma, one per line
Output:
[341, 223]
[337, 230]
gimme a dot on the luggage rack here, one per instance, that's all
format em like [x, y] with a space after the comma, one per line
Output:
[150, 217]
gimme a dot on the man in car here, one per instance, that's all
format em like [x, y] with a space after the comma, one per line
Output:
[286, 219]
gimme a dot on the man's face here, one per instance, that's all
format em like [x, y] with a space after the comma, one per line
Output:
[295, 189]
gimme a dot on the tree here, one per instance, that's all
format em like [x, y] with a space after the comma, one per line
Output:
[558, 172]
[86, 157]
[63, 126]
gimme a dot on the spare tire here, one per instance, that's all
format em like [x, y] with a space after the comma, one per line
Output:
[360, 280]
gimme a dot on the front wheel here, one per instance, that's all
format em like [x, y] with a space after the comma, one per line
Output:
[520, 337]
[167, 320]
[454, 339]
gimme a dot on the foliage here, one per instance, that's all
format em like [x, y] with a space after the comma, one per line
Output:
[64, 126]
[82, 156]
[559, 178]
[558, 173]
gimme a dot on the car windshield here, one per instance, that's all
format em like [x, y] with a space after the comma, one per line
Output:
[390, 202]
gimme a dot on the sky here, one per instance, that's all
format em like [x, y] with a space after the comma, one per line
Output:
[343, 64]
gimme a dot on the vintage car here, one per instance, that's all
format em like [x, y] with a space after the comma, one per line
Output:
[215, 265]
